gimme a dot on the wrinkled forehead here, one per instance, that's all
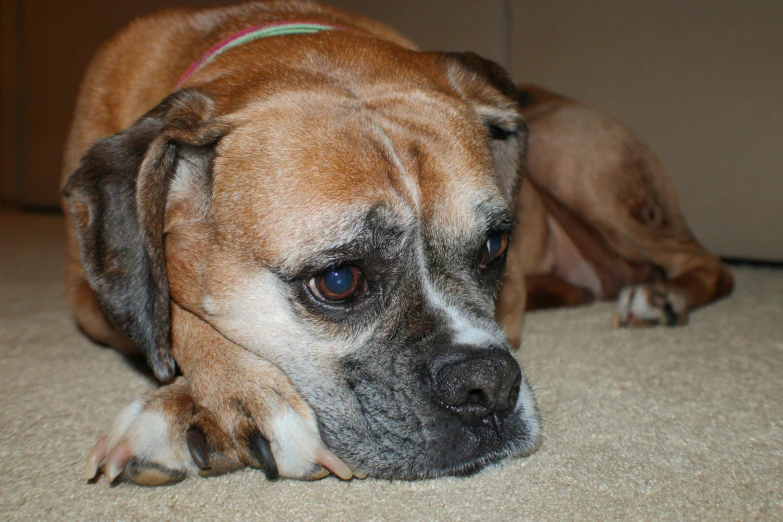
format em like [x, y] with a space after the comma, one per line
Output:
[310, 170]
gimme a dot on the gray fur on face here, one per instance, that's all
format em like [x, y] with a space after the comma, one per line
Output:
[377, 408]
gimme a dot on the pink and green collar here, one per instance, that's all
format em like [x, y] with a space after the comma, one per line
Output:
[254, 33]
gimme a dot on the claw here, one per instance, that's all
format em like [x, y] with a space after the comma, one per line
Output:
[263, 454]
[330, 461]
[117, 459]
[94, 459]
[197, 445]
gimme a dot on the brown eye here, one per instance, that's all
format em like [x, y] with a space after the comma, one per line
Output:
[496, 245]
[339, 283]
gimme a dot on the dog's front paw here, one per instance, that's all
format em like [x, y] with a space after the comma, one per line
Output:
[268, 424]
[165, 436]
[160, 439]
[652, 304]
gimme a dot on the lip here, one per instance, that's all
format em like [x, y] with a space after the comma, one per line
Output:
[455, 449]
[473, 466]
[464, 468]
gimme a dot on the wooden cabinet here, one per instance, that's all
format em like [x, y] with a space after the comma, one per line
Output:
[46, 47]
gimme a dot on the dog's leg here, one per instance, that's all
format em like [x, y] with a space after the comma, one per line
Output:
[611, 195]
[657, 274]
[703, 279]
[161, 438]
[251, 399]
[233, 410]
[657, 279]
[549, 291]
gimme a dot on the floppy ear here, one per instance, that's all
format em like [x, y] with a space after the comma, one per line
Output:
[117, 198]
[487, 86]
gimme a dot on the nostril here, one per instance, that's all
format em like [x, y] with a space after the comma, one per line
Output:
[477, 397]
[478, 404]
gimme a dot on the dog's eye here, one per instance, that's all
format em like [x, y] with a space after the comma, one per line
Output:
[339, 283]
[496, 245]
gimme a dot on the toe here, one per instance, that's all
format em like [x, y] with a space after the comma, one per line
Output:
[651, 305]
[210, 448]
[145, 473]
[118, 457]
[197, 445]
[330, 461]
[95, 458]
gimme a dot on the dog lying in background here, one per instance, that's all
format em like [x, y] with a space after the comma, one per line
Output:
[598, 218]
[312, 221]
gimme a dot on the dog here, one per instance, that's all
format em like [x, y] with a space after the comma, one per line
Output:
[598, 218]
[305, 225]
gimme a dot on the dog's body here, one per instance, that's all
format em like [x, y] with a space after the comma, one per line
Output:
[598, 218]
[215, 228]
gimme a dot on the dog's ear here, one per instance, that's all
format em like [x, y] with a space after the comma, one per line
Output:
[117, 198]
[487, 86]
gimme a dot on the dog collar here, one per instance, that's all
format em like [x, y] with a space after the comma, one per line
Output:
[254, 33]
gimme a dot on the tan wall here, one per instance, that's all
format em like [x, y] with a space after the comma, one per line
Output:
[702, 81]
[56, 41]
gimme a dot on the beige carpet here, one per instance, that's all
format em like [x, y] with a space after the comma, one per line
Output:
[639, 425]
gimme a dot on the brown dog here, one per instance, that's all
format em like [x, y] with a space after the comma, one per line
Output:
[313, 221]
[598, 218]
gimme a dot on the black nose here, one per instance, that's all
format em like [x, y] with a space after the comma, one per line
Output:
[477, 385]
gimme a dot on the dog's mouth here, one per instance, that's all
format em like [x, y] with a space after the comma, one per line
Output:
[396, 430]
[521, 447]
[461, 452]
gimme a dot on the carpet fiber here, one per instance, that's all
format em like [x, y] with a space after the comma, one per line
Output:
[683, 423]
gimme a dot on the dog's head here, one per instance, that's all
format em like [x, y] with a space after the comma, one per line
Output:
[345, 221]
